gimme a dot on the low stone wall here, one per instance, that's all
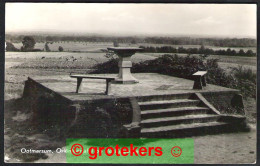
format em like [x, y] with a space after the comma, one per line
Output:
[91, 118]
[50, 111]
[102, 118]
[229, 102]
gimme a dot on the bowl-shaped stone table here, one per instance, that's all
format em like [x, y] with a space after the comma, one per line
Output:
[125, 64]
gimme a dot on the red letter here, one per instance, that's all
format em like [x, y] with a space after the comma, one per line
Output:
[100, 150]
[150, 151]
[111, 150]
[141, 151]
[132, 150]
[95, 153]
[159, 150]
[117, 150]
[126, 150]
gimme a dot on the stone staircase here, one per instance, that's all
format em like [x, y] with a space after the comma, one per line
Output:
[178, 115]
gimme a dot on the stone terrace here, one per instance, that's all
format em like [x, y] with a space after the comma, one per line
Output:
[149, 84]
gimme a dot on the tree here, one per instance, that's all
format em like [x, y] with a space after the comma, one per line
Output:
[228, 52]
[201, 49]
[49, 39]
[60, 48]
[28, 43]
[46, 47]
[10, 47]
[115, 43]
[241, 52]
[233, 52]
[133, 41]
[250, 53]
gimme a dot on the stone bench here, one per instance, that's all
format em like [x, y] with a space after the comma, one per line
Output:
[81, 76]
[199, 79]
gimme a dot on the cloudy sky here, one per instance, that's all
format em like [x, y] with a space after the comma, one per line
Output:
[232, 20]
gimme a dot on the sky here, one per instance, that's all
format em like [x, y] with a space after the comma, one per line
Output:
[230, 20]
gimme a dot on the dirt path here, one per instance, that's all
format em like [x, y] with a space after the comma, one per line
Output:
[233, 148]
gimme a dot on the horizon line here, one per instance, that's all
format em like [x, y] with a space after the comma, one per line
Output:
[113, 34]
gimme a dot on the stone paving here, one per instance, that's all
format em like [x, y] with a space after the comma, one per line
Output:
[149, 84]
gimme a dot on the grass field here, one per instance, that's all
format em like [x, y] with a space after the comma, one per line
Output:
[57, 60]
[96, 47]
[19, 65]
[93, 54]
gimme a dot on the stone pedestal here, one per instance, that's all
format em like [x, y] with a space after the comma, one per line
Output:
[125, 64]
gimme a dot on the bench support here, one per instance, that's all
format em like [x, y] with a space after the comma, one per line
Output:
[199, 80]
[203, 80]
[108, 86]
[79, 80]
[197, 83]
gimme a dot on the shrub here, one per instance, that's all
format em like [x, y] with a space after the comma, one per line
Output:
[167, 64]
[110, 66]
[36, 50]
[184, 67]
[172, 65]
[217, 75]
[246, 80]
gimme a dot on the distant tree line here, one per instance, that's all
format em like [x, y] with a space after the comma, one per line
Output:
[220, 42]
[201, 50]
[28, 45]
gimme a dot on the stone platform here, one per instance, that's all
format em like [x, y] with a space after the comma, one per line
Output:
[149, 84]
[158, 105]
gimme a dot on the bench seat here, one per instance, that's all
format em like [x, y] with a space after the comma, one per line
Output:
[81, 76]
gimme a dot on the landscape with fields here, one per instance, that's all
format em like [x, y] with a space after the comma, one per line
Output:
[192, 73]
[81, 57]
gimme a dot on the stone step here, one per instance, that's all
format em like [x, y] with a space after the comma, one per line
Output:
[164, 97]
[184, 129]
[147, 114]
[149, 105]
[166, 121]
